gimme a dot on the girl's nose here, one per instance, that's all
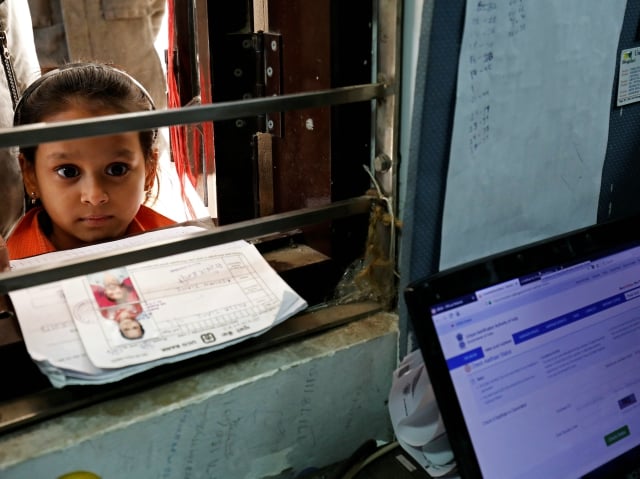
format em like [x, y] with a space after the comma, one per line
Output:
[93, 193]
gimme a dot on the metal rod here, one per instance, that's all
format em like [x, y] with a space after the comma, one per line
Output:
[56, 271]
[34, 134]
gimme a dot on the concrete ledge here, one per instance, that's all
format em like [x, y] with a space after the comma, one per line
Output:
[307, 403]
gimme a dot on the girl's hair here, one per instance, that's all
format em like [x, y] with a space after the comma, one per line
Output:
[95, 86]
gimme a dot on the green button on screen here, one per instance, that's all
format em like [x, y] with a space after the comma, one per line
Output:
[616, 435]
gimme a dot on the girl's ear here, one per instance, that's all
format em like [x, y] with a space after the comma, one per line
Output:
[28, 175]
[151, 169]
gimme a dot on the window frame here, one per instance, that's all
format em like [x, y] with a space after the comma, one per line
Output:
[383, 95]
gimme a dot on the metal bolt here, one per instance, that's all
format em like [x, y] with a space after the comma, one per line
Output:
[270, 124]
[382, 163]
[240, 123]
[269, 71]
[274, 45]
[246, 43]
[237, 72]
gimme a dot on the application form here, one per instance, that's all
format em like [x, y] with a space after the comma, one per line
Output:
[182, 305]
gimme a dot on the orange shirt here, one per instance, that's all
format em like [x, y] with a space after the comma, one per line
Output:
[27, 239]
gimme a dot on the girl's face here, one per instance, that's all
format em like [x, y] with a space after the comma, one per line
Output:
[130, 328]
[92, 187]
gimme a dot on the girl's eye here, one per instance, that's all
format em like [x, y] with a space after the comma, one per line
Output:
[117, 169]
[68, 171]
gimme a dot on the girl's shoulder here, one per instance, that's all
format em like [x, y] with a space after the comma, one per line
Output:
[27, 238]
[148, 219]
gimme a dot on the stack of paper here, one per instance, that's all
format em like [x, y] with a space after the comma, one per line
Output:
[105, 326]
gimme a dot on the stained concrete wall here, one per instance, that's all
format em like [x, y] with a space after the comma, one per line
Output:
[308, 403]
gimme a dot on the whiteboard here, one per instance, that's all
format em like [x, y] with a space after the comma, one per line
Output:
[530, 124]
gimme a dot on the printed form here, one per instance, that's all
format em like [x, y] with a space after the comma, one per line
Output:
[104, 326]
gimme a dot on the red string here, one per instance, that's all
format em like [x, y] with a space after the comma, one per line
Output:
[177, 134]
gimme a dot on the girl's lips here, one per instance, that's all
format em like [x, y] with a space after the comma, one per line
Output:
[95, 219]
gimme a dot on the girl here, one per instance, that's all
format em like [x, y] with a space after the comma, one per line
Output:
[87, 190]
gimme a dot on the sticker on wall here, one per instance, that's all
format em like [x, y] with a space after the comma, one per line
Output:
[629, 77]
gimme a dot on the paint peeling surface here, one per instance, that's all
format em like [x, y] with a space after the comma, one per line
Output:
[273, 419]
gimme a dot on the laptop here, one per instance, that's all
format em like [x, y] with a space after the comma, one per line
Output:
[534, 356]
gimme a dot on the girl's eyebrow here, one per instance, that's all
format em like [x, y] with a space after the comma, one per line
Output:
[57, 155]
[67, 155]
[124, 152]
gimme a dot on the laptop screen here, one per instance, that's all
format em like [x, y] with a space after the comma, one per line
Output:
[534, 356]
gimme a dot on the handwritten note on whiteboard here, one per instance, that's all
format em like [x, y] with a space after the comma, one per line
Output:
[531, 122]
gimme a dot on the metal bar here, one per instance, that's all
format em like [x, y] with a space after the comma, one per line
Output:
[388, 111]
[30, 135]
[192, 37]
[56, 271]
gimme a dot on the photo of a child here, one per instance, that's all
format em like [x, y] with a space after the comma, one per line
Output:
[114, 288]
[118, 301]
[129, 324]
